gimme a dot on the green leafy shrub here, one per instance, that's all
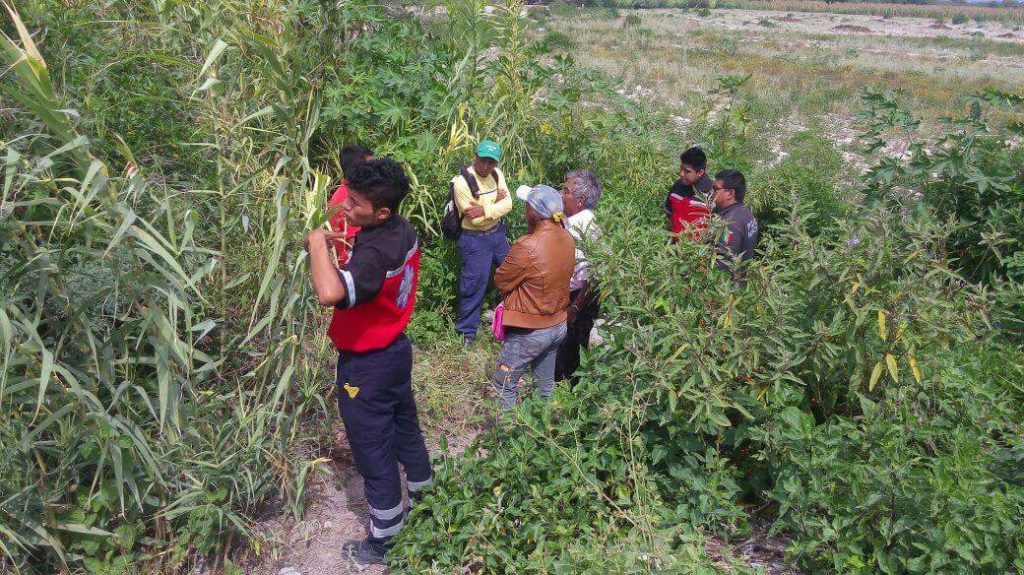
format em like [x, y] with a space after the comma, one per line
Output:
[910, 486]
[677, 418]
[556, 41]
[969, 172]
[809, 174]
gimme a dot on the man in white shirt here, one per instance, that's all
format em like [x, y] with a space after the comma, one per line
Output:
[580, 195]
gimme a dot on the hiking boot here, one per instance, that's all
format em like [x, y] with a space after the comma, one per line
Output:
[362, 554]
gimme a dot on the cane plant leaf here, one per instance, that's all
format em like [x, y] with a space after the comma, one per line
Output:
[876, 373]
[84, 530]
[890, 361]
[219, 46]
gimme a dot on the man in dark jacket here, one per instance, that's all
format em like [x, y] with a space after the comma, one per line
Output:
[740, 238]
[686, 205]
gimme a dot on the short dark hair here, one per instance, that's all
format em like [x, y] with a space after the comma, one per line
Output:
[733, 180]
[695, 158]
[351, 156]
[382, 181]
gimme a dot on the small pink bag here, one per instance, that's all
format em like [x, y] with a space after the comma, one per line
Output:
[497, 327]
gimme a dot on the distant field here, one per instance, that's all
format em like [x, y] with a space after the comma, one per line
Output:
[806, 70]
[1012, 15]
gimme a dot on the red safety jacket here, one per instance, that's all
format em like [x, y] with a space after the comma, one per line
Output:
[380, 279]
[688, 216]
[338, 222]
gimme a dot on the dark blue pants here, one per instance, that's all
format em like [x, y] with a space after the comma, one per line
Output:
[377, 406]
[480, 252]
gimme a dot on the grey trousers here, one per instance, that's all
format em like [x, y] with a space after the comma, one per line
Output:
[533, 349]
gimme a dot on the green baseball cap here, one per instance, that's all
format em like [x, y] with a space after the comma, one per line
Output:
[489, 149]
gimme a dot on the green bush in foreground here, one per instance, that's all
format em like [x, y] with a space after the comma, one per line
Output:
[828, 388]
[914, 484]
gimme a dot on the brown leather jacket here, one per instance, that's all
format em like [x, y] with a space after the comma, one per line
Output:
[535, 277]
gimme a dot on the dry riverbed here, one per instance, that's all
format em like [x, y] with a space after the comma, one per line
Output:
[857, 24]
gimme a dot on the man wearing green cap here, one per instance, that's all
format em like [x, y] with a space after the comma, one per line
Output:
[482, 198]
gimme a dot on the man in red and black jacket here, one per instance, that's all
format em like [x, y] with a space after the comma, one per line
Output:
[373, 296]
[687, 205]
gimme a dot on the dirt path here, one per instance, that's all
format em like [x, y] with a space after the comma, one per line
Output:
[336, 512]
[760, 550]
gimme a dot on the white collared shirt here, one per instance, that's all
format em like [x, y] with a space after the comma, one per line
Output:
[581, 226]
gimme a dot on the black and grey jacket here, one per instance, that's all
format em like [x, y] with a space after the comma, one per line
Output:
[740, 239]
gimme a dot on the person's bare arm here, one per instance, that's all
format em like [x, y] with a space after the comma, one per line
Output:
[330, 290]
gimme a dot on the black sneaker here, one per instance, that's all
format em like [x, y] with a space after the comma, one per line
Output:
[362, 554]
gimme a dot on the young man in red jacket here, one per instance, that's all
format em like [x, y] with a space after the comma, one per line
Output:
[373, 296]
[688, 203]
[349, 158]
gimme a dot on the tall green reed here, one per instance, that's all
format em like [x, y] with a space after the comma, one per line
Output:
[158, 349]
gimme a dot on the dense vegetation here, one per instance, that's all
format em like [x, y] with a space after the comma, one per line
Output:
[165, 370]
[856, 392]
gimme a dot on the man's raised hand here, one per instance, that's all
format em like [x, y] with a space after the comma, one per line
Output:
[322, 237]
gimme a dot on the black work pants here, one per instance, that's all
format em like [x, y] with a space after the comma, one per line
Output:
[377, 406]
[577, 335]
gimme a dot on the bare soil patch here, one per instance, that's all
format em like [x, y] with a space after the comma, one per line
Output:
[336, 512]
[759, 550]
[852, 28]
[843, 24]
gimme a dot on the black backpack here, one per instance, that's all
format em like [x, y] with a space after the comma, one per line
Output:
[451, 220]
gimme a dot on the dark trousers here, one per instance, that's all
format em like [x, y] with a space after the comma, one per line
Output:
[376, 403]
[480, 252]
[577, 335]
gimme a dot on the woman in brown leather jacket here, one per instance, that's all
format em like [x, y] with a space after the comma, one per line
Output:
[535, 281]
